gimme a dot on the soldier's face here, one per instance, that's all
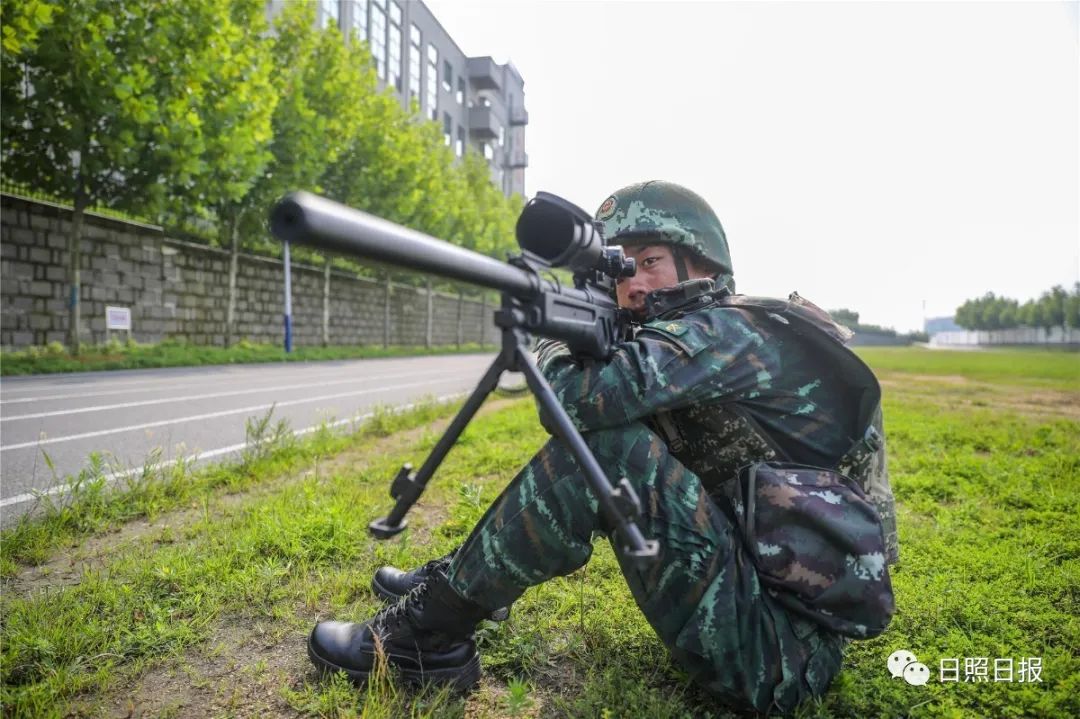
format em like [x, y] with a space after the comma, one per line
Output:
[655, 271]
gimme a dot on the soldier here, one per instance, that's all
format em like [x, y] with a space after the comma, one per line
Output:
[717, 400]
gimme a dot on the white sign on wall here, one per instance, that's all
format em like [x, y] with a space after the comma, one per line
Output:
[118, 318]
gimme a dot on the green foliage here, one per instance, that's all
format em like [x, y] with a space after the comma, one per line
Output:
[1056, 307]
[850, 319]
[190, 114]
[846, 317]
[106, 104]
[325, 89]
[232, 119]
[22, 22]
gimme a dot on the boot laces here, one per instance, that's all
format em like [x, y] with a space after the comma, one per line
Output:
[399, 611]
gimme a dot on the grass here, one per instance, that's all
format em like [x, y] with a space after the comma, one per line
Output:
[203, 604]
[170, 353]
[1043, 367]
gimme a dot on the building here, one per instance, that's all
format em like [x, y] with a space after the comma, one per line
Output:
[933, 325]
[478, 102]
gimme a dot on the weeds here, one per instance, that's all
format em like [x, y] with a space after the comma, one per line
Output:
[517, 698]
[263, 438]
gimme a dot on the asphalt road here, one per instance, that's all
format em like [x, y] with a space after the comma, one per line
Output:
[192, 411]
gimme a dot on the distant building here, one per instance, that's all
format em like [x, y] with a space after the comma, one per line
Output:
[934, 325]
[478, 102]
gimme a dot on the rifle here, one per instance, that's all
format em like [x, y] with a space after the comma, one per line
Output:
[551, 232]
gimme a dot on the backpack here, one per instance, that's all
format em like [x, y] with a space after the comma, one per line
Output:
[815, 538]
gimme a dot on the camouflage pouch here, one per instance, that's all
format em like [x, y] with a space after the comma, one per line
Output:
[816, 541]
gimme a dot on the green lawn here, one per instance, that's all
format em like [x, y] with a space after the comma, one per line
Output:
[1010, 366]
[202, 608]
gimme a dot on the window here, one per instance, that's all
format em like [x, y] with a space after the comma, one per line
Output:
[378, 37]
[395, 13]
[459, 146]
[448, 128]
[331, 13]
[489, 151]
[460, 90]
[447, 77]
[415, 86]
[359, 19]
[502, 136]
[433, 81]
[395, 48]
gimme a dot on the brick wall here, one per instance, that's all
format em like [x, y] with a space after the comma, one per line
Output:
[180, 289]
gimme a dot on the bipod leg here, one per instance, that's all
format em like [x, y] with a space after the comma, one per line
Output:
[407, 485]
[620, 505]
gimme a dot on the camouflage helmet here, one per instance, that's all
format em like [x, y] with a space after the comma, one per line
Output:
[670, 212]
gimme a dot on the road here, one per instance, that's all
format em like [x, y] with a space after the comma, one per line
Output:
[192, 411]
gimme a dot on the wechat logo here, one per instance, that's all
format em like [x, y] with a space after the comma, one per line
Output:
[903, 663]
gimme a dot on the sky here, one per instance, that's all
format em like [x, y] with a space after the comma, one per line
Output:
[894, 158]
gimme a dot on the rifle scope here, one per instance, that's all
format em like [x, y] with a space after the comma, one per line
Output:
[550, 230]
[558, 233]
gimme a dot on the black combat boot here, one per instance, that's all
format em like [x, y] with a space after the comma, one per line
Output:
[391, 584]
[427, 636]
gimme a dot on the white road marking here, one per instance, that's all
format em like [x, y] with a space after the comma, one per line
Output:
[197, 456]
[163, 400]
[211, 415]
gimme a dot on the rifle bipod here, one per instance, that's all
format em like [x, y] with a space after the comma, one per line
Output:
[619, 505]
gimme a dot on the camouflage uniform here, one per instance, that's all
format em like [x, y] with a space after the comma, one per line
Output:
[702, 391]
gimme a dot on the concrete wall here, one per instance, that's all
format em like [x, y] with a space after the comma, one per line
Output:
[874, 339]
[1065, 336]
[180, 289]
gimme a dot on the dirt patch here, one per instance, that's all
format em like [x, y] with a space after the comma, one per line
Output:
[962, 393]
[243, 670]
[67, 567]
[900, 377]
[238, 674]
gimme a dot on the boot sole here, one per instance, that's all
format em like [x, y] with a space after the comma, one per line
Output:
[462, 678]
[497, 615]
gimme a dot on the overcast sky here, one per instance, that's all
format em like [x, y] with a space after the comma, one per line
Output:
[869, 155]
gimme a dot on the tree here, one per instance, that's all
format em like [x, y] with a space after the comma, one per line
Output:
[329, 92]
[1058, 300]
[845, 317]
[103, 106]
[1072, 307]
[1007, 316]
[989, 311]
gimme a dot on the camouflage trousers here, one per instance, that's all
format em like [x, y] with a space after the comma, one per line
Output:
[702, 598]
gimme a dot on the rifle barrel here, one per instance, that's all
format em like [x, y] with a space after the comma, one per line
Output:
[323, 224]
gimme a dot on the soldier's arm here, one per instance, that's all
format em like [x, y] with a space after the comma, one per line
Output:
[666, 367]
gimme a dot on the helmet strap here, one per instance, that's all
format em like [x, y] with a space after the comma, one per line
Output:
[680, 264]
